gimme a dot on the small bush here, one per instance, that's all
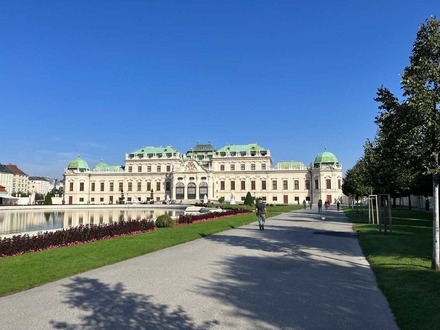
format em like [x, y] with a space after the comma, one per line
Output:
[221, 200]
[163, 221]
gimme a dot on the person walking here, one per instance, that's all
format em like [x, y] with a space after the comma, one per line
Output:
[338, 204]
[261, 212]
[320, 205]
[304, 204]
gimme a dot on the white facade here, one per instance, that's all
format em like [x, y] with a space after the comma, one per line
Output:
[160, 174]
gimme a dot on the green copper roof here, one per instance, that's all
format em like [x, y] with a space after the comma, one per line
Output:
[78, 164]
[156, 150]
[325, 158]
[289, 165]
[103, 167]
[241, 148]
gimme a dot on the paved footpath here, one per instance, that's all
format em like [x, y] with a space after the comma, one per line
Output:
[301, 272]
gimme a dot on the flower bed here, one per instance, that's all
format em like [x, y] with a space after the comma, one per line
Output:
[20, 244]
[188, 219]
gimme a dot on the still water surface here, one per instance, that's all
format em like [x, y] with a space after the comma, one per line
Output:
[22, 221]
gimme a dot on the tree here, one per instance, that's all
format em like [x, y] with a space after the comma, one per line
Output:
[249, 200]
[48, 199]
[421, 86]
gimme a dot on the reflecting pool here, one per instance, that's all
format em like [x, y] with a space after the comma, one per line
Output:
[27, 221]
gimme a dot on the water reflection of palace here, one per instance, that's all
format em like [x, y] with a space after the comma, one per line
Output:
[20, 221]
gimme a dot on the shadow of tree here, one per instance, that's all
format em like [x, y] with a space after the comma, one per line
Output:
[110, 307]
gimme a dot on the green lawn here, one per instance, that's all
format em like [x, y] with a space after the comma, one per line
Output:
[401, 262]
[33, 269]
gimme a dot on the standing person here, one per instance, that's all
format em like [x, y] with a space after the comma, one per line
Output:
[261, 211]
[310, 203]
[320, 205]
[338, 203]
[304, 204]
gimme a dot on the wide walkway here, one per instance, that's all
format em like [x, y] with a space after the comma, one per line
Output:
[301, 272]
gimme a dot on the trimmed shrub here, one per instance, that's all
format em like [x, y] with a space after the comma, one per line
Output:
[163, 221]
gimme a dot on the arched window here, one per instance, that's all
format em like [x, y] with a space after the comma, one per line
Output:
[191, 190]
[180, 190]
[203, 190]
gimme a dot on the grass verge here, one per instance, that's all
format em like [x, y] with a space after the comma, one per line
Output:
[33, 269]
[401, 262]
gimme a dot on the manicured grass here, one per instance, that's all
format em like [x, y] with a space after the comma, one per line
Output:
[401, 261]
[33, 269]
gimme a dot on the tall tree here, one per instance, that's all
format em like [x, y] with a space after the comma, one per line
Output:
[421, 86]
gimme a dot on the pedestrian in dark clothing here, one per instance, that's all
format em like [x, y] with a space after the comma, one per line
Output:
[261, 212]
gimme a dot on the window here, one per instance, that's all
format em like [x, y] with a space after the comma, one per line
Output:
[328, 184]
[232, 185]
[71, 186]
[274, 198]
[243, 167]
[93, 186]
[180, 190]
[148, 186]
[296, 184]
[252, 185]
[102, 186]
[168, 168]
[81, 199]
[121, 186]
[139, 168]
[222, 185]
[157, 186]
[274, 185]
[308, 184]
[253, 167]
[130, 186]
[149, 168]
[316, 184]
[101, 199]
[81, 186]
[130, 169]
[139, 186]
[191, 190]
[111, 186]
[285, 185]
[232, 167]
[263, 167]
[158, 168]
[222, 167]
[243, 185]
[203, 190]
[339, 183]
[263, 185]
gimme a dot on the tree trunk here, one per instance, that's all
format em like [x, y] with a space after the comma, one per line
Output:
[435, 226]
[409, 202]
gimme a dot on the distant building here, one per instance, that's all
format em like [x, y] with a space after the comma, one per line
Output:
[6, 178]
[20, 180]
[41, 184]
[163, 173]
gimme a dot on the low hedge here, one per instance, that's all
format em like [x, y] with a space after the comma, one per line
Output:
[188, 218]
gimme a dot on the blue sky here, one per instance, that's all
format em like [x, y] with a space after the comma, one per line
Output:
[101, 79]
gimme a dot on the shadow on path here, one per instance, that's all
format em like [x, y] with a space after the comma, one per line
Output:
[102, 306]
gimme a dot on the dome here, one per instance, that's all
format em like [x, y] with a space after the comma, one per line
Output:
[78, 164]
[101, 166]
[325, 158]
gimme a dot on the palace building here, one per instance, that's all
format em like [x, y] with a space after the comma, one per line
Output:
[163, 174]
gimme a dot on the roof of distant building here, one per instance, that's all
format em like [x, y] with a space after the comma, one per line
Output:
[289, 165]
[202, 148]
[78, 164]
[156, 150]
[15, 170]
[5, 169]
[241, 148]
[325, 158]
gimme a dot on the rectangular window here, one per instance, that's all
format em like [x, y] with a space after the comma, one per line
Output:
[148, 186]
[274, 198]
[252, 167]
[93, 186]
[149, 168]
[232, 167]
[296, 184]
[101, 199]
[274, 185]
[243, 185]
[130, 169]
[168, 168]
[308, 184]
[81, 186]
[121, 186]
[158, 168]
[139, 186]
[263, 167]
[102, 186]
[71, 186]
[157, 186]
[222, 185]
[232, 185]
[328, 183]
[139, 168]
[252, 185]
[112, 186]
[263, 185]
[81, 199]
[339, 183]
[222, 167]
[316, 184]
[130, 186]
[285, 185]
[243, 167]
